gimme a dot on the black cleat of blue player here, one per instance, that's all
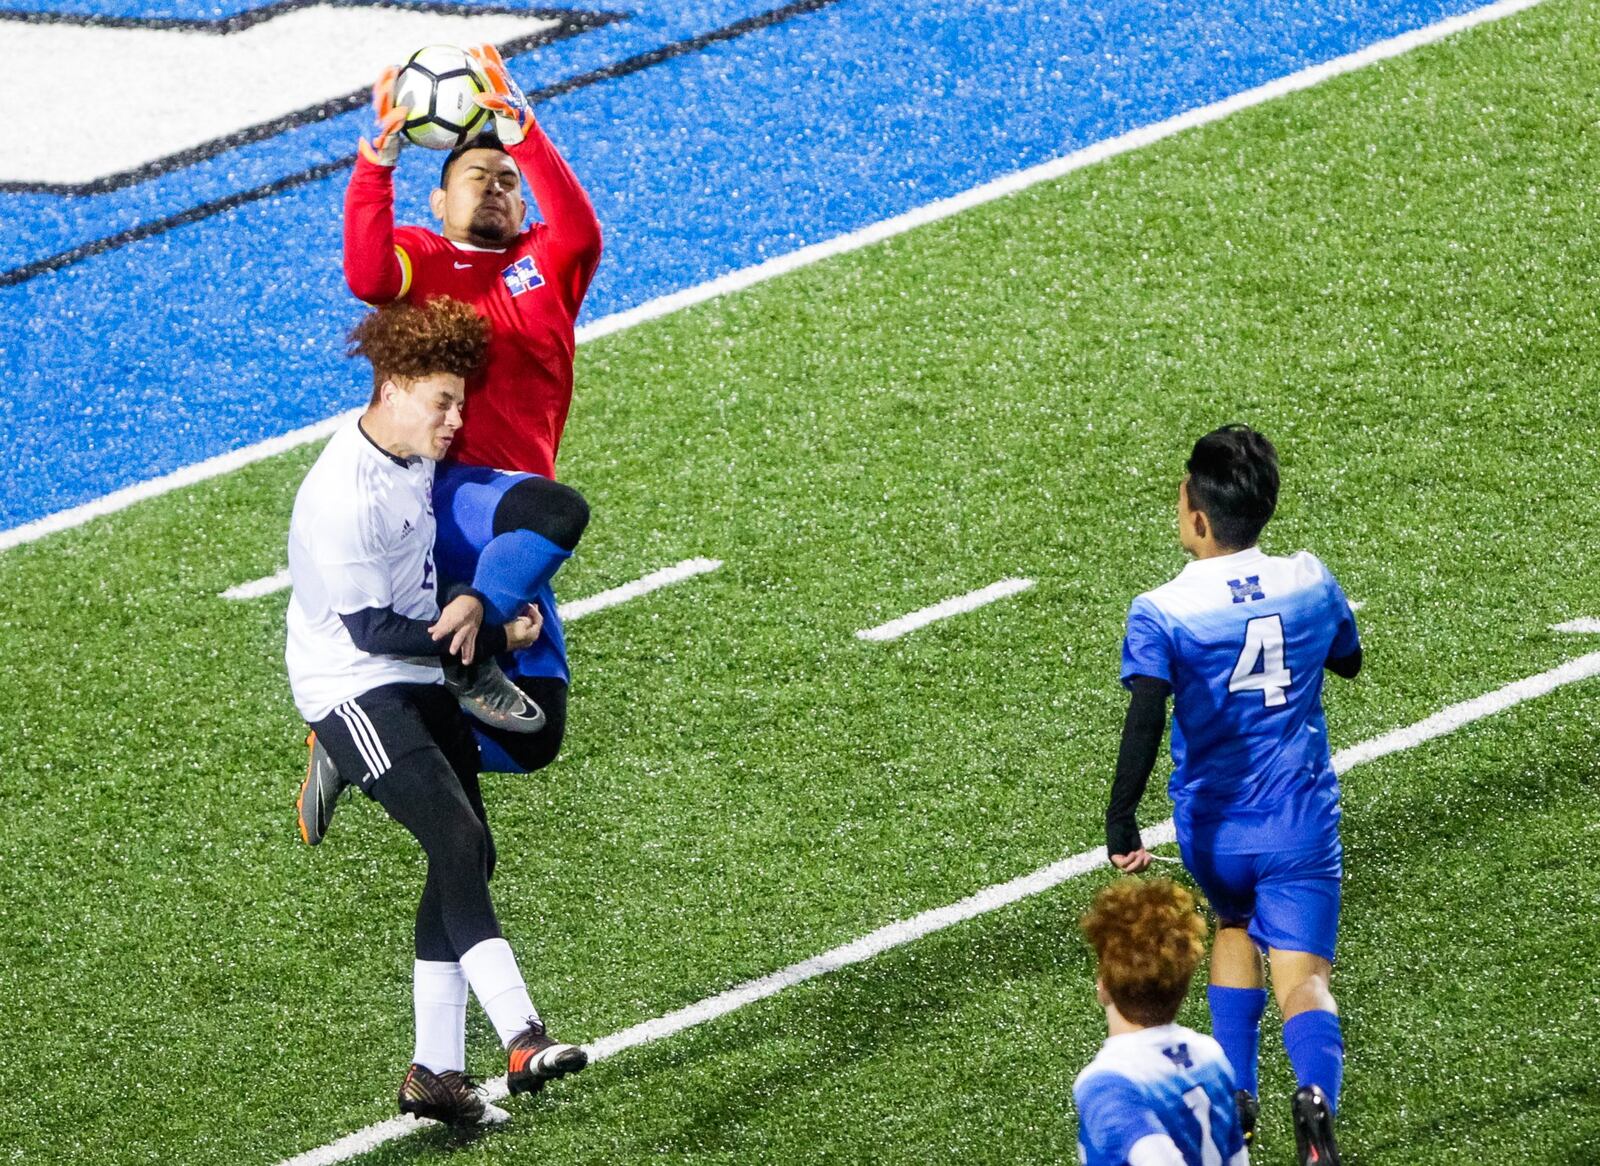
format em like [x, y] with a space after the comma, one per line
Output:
[1313, 1128]
[1249, 1113]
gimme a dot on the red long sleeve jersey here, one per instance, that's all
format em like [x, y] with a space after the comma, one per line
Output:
[529, 292]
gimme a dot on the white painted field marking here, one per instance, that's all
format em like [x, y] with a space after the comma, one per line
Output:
[577, 609]
[188, 476]
[654, 581]
[872, 944]
[971, 601]
[1357, 604]
[256, 588]
[989, 899]
[299, 59]
[855, 240]
[1450, 719]
[1580, 626]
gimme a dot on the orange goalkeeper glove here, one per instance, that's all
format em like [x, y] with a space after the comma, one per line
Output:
[384, 148]
[513, 116]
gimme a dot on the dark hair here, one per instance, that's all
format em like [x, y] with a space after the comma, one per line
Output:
[403, 340]
[1148, 941]
[1233, 481]
[487, 140]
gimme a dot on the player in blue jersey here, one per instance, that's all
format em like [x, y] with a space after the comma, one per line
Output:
[1158, 1094]
[1239, 641]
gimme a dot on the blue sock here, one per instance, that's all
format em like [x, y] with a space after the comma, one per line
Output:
[511, 570]
[1316, 1050]
[1236, 1023]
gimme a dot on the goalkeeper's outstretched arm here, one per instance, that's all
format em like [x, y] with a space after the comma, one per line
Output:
[374, 268]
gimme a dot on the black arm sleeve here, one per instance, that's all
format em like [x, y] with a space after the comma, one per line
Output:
[382, 631]
[1141, 740]
[1346, 666]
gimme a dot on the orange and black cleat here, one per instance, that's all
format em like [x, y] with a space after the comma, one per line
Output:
[533, 1058]
[450, 1097]
[319, 792]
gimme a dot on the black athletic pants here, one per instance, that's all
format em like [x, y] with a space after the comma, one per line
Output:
[416, 756]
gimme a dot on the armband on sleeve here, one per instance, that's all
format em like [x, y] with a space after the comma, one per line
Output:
[405, 271]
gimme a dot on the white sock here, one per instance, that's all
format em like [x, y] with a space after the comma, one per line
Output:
[439, 993]
[492, 971]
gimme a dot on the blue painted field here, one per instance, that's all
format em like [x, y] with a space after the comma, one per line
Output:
[150, 355]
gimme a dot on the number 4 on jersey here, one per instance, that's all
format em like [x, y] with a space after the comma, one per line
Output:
[1260, 665]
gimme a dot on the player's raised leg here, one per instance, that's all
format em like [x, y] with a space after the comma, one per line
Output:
[537, 525]
[506, 533]
[507, 752]
[509, 534]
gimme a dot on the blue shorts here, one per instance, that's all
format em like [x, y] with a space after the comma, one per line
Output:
[1289, 900]
[464, 502]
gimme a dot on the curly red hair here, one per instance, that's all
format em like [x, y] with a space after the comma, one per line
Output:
[404, 340]
[1149, 941]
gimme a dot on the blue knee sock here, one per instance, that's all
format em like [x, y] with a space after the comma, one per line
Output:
[1316, 1050]
[511, 570]
[1236, 1023]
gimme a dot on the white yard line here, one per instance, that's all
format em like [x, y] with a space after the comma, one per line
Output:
[855, 240]
[654, 581]
[989, 899]
[256, 588]
[1450, 719]
[199, 472]
[1578, 626]
[971, 601]
[577, 609]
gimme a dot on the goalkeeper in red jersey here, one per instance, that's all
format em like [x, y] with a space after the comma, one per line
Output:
[505, 525]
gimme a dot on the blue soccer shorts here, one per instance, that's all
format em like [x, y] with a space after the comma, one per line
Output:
[464, 502]
[1288, 900]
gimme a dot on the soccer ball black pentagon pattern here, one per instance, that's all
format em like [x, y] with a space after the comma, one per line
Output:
[437, 85]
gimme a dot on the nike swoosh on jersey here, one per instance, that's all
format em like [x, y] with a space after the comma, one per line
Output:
[462, 266]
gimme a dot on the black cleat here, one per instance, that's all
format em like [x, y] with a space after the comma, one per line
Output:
[319, 793]
[1313, 1128]
[486, 692]
[533, 1058]
[1249, 1111]
[448, 1097]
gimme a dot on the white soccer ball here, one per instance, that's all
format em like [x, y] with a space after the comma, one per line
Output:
[437, 85]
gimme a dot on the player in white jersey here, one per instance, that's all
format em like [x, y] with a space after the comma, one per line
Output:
[1158, 1094]
[366, 648]
[1239, 641]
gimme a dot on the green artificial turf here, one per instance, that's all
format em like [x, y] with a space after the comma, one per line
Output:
[1392, 275]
